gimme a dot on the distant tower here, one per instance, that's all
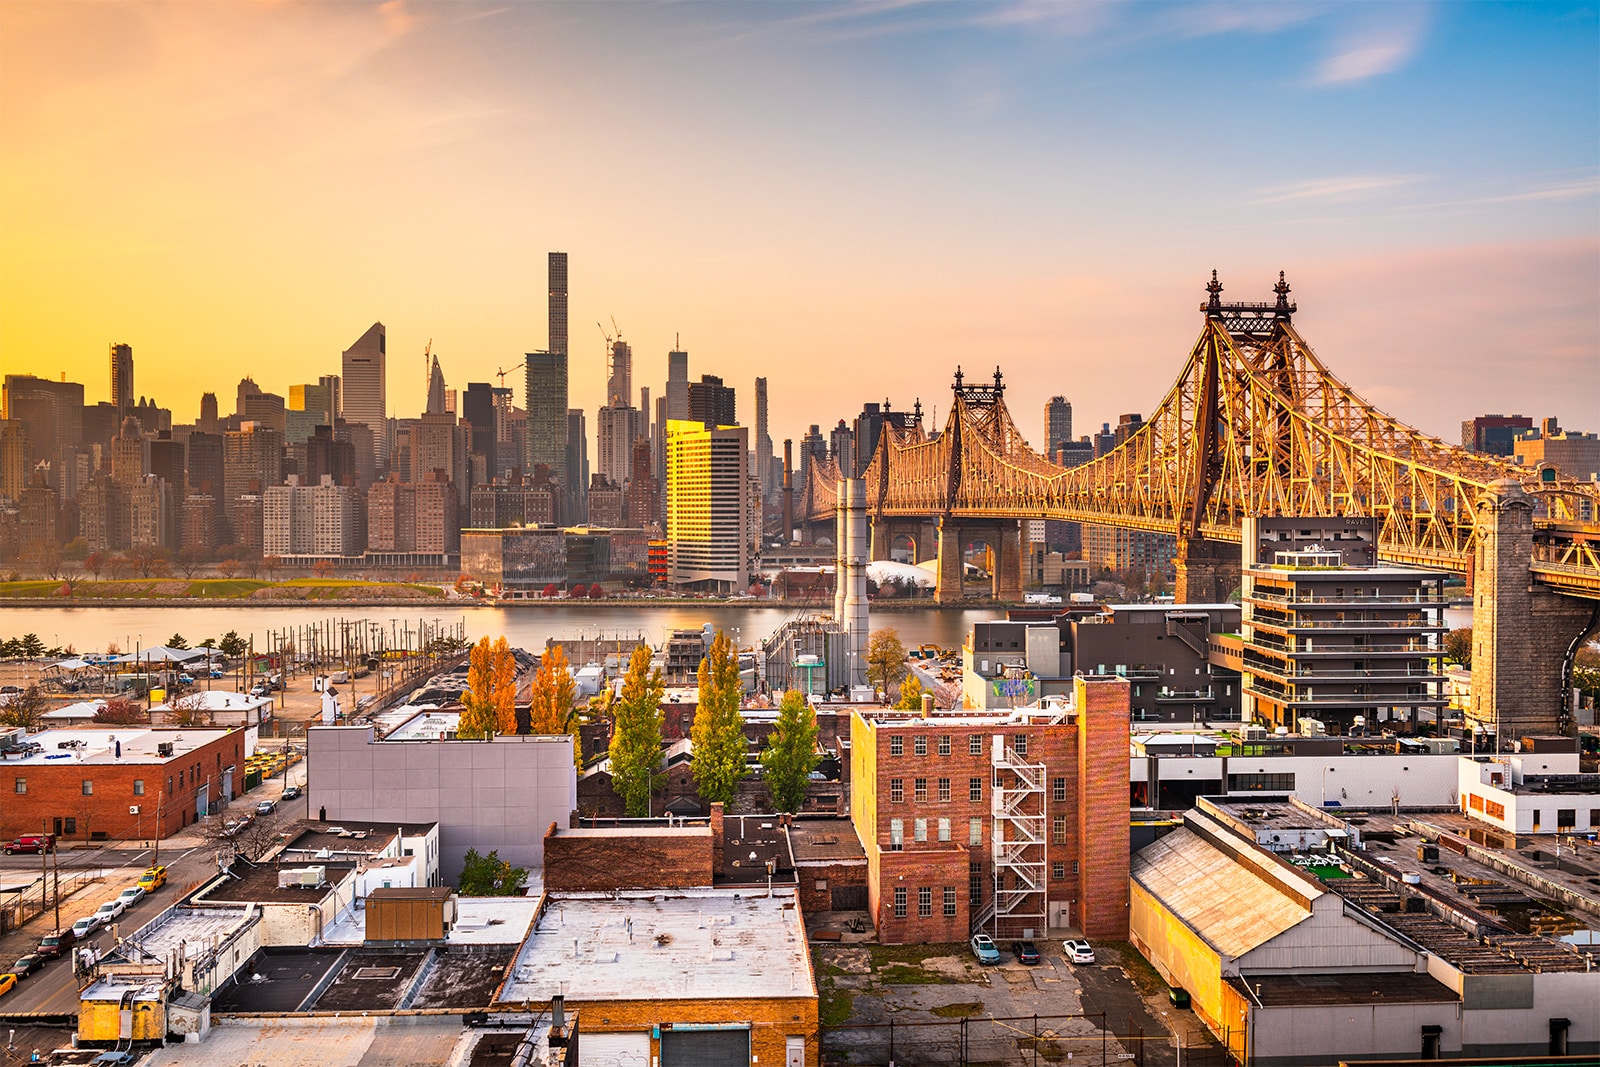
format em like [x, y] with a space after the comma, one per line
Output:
[208, 413]
[1057, 424]
[619, 377]
[365, 388]
[122, 380]
[763, 442]
[576, 467]
[436, 389]
[677, 384]
[557, 268]
[547, 385]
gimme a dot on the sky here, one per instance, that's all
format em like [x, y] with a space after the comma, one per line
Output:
[848, 199]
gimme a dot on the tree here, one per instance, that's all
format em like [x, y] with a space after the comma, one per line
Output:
[477, 702]
[77, 548]
[149, 560]
[323, 568]
[597, 592]
[490, 876]
[886, 659]
[121, 712]
[177, 641]
[229, 568]
[189, 711]
[718, 733]
[791, 752]
[636, 733]
[94, 563]
[1458, 646]
[911, 694]
[554, 690]
[549, 590]
[232, 645]
[191, 559]
[504, 691]
[25, 709]
[32, 647]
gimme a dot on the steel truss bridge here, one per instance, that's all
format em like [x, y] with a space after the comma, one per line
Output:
[1255, 425]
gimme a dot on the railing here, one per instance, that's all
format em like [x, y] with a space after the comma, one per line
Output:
[1176, 695]
[1354, 598]
[1350, 624]
[38, 897]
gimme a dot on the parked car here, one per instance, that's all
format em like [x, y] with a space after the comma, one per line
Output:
[1025, 951]
[291, 792]
[34, 843]
[152, 879]
[266, 807]
[27, 965]
[8, 982]
[1078, 951]
[86, 926]
[131, 896]
[54, 946]
[111, 909]
[983, 947]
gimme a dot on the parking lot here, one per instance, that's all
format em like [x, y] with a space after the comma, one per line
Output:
[935, 1004]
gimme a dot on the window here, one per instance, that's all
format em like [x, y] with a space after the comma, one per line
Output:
[1058, 790]
[975, 882]
[974, 831]
[1536, 814]
[897, 745]
[897, 834]
[22, 785]
[69, 825]
[1058, 871]
[924, 902]
[1498, 811]
[138, 787]
[88, 787]
[919, 789]
[944, 829]
[919, 745]
[1566, 818]
[1074, 866]
[1269, 783]
[919, 829]
[897, 790]
[949, 902]
[974, 788]
[169, 785]
[1020, 743]
[1058, 830]
[944, 790]
[1594, 818]
[974, 744]
[944, 744]
[899, 902]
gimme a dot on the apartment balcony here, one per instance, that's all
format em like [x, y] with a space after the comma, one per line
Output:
[1427, 598]
[1186, 696]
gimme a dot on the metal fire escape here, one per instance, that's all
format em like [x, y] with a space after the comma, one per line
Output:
[1017, 838]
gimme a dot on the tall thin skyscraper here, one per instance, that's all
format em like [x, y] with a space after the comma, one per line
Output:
[436, 389]
[547, 385]
[365, 388]
[619, 377]
[122, 380]
[677, 385]
[763, 442]
[208, 414]
[557, 267]
[577, 468]
[1057, 424]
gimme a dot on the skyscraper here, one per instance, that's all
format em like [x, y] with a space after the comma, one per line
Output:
[708, 507]
[365, 400]
[547, 383]
[619, 375]
[208, 422]
[436, 390]
[710, 402]
[557, 269]
[577, 468]
[122, 380]
[1057, 424]
[616, 428]
[677, 385]
[763, 442]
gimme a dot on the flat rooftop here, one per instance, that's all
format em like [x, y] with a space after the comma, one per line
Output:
[321, 1041]
[430, 724]
[480, 921]
[354, 835]
[1343, 987]
[259, 885]
[99, 745]
[684, 944]
[182, 928]
[276, 980]
[825, 841]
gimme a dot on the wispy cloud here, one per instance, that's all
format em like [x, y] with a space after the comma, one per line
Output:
[1349, 187]
[1578, 189]
[1383, 41]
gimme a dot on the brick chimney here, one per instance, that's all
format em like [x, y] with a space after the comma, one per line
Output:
[716, 839]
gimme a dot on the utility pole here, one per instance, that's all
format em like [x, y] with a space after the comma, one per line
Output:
[155, 861]
[47, 847]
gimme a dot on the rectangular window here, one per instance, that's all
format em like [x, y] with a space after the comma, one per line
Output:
[1264, 783]
[138, 787]
[897, 790]
[1594, 818]
[1058, 871]
[899, 902]
[924, 902]
[88, 787]
[1058, 790]
[897, 835]
[22, 785]
[944, 744]
[169, 785]
[944, 829]
[974, 744]
[974, 831]
[69, 825]
[919, 829]
[944, 790]
[1058, 830]
[949, 902]
[897, 745]
[1536, 814]
[1498, 811]
[1566, 818]
[974, 788]
[975, 883]
[1074, 866]
[919, 745]
[1020, 743]
[919, 789]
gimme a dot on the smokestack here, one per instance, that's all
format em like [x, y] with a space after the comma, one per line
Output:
[852, 574]
[842, 548]
[788, 490]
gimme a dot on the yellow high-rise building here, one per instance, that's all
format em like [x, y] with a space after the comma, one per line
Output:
[708, 511]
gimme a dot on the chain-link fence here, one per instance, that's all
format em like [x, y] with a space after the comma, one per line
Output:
[1088, 1040]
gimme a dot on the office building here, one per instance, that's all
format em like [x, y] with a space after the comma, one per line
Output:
[364, 385]
[644, 492]
[38, 514]
[842, 447]
[607, 503]
[1493, 434]
[616, 428]
[547, 411]
[252, 460]
[708, 507]
[122, 379]
[1332, 642]
[619, 373]
[677, 385]
[209, 422]
[320, 399]
[103, 514]
[1576, 455]
[711, 403]
[576, 482]
[483, 408]
[51, 411]
[14, 467]
[152, 514]
[1057, 424]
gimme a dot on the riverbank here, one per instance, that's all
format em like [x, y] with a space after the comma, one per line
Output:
[176, 592]
[443, 600]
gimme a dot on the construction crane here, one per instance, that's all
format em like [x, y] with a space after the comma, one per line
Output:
[503, 371]
[427, 367]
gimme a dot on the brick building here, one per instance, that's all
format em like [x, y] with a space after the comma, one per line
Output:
[95, 784]
[1010, 822]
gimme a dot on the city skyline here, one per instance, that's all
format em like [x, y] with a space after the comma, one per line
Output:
[861, 194]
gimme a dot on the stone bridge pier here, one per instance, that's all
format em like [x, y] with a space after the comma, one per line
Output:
[1524, 635]
[923, 534]
[1004, 536]
[1208, 571]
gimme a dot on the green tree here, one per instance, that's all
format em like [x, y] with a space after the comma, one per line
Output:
[791, 752]
[718, 733]
[32, 647]
[1458, 646]
[232, 645]
[477, 702]
[490, 876]
[636, 733]
[911, 694]
[886, 659]
[177, 641]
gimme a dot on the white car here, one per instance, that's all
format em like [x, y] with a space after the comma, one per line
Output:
[130, 896]
[111, 909]
[1078, 951]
